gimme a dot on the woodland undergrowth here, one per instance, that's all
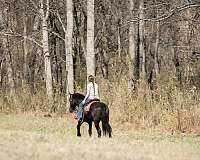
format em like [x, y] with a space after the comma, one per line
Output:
[166, 107]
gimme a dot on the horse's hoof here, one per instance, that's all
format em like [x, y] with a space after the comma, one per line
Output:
[78, 135]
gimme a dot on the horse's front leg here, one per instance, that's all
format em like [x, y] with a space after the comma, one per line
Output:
[90, 129]
[78, 129]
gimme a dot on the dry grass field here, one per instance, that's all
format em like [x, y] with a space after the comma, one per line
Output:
[37, 138]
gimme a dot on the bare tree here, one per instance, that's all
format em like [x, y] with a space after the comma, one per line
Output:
[141, 37]
[68, 47]
[132, 44]
[47, 62]
[7, 54]
[157, 27]
[90, 57]
[6, 51]
[25, 46]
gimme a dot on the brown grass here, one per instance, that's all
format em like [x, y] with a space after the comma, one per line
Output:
[25, 136]
[166, 108]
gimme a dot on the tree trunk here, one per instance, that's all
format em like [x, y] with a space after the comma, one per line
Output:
[68, 47]
[25, 68]
[156, 68]
[32, 67]
[48, 74]
[132, 45]
[177, 65]
[141, 37]
[36, 23]
[6, 52]
[90, 57]
[157, 24]
[119, 40]
[60, 75]
[10, 77]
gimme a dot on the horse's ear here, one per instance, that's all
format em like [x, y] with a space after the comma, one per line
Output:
[70, 94]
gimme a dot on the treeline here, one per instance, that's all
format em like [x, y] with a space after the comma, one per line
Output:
[58, 43]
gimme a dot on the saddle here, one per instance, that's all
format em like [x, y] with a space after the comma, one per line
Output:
[88, 105]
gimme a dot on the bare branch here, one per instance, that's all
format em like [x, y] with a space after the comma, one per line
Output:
[47, 13]
[60, 20]
[166, 16]
[56, 34]
[33, 40]
[19, 36]
[173, 12]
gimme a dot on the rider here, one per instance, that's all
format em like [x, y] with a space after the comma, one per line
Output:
[92, 94]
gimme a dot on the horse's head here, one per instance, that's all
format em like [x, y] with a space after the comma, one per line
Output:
[74, 100]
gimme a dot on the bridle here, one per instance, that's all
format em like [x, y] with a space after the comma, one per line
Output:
[76, 103]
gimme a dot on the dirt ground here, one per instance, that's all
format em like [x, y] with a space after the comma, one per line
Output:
[20, 145]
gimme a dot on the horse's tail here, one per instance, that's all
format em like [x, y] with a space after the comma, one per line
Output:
[105, 122]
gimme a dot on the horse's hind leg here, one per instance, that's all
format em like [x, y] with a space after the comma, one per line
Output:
[90, 129]
[109, 130]
[98, 128]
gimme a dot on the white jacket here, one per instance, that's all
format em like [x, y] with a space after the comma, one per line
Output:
[92, 91]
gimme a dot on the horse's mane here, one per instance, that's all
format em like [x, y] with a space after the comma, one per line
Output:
[78, 96]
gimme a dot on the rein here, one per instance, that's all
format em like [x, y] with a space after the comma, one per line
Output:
[76, 109]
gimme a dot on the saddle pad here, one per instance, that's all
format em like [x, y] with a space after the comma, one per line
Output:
[87, 107]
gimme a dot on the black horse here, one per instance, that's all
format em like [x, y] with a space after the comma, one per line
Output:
[99, 111]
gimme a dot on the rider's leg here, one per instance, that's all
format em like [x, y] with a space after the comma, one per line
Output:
[80, 111]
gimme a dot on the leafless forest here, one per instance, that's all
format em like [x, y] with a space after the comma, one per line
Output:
[145, 55]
